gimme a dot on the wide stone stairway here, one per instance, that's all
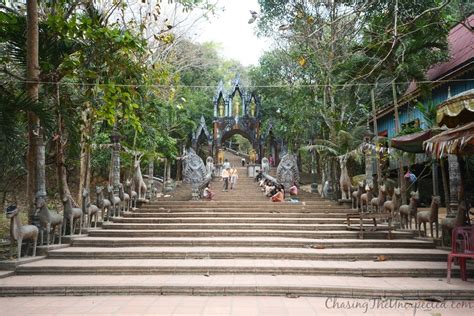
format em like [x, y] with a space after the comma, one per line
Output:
[239, 244]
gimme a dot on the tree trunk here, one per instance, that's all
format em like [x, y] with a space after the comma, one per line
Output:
[86, 132]
[376, 132]
[401, 179]
[60, 145]
[32, 86]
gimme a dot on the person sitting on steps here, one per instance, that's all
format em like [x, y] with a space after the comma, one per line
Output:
[294, 190]
[279, 196]
[208, 194]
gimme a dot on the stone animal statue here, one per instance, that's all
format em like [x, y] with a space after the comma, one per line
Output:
[461, 218]
[114, 200]
[20, 232]
[392, 206]
[195, 173]
[252, 156]
[356, 196]
[377, 202]
[91, 210]
[366, 198]
[132, 194]
[408, 212]
[344, 180]
[430, 216]
[103, 203]
[125, 198]
[70, 214]
[220, 157]
[287, 171]
[49, 221]
[265, 165]
[209, 165]
[139, 184]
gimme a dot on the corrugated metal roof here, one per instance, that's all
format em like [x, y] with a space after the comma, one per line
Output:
[461, 49]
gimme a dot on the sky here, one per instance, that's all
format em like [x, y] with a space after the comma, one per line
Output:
[230, 28]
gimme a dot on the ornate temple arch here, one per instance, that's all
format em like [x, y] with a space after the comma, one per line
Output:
[236, 112]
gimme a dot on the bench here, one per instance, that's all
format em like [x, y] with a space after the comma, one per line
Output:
[462, 247]
[374, 217]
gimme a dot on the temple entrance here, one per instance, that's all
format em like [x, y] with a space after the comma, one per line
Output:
[236, 113]
[236, 116]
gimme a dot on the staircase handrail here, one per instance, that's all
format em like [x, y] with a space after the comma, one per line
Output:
[159, 179]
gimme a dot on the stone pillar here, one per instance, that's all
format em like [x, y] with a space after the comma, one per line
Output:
[369, 169]
[454, 184]
[314, 181]
[150, 180]
[40, 166]
[115, 138]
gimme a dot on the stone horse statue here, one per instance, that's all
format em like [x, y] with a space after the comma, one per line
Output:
[344, 180]
[139, 184]
[48, 220]
[195, 173]
[287, 171]
[20, 232]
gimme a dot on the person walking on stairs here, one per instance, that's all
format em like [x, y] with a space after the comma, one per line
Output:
[233, 177]
[225, 177]
[226, 164]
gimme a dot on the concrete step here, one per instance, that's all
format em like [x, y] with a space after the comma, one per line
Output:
[249, 252]
[237, 215]
[223, 226]
[231, 219]
[233, 203]
[230, 284]
[275, 210]
[239, 241]
[244, 232]
[389, 268]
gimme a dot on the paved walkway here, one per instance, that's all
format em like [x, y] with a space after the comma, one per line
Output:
[237, 305]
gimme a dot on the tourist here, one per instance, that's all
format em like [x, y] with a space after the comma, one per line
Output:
[208, 194]
[225, 177]
[226, 164]
[279, 196]
[243, 162]
[259, 176]
[233, 177]
[270, 160]
[270, 189]
[294, 189]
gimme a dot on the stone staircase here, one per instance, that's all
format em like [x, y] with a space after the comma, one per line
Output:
[239, 244]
